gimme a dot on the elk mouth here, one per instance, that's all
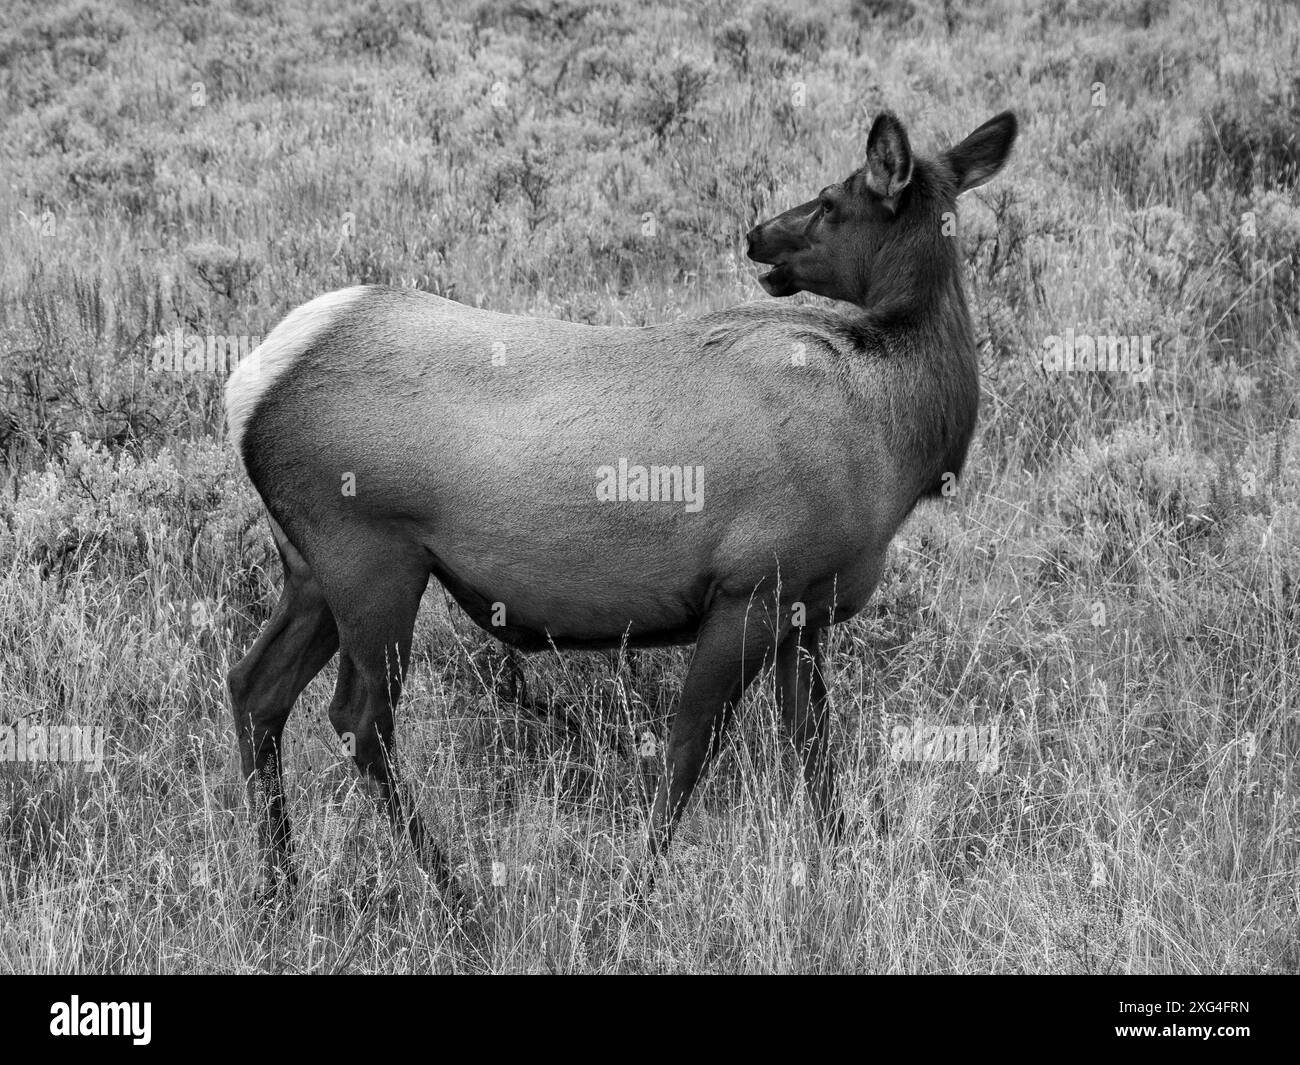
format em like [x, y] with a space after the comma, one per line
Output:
[778, 282]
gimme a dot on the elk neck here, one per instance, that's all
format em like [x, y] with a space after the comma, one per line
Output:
[913, 314]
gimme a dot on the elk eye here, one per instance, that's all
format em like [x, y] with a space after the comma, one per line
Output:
[828, 198]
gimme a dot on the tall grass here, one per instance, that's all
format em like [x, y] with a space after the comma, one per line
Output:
[1114, 585]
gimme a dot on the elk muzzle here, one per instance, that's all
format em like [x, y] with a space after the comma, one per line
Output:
[775, 242]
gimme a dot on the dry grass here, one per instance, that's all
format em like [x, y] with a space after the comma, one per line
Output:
[1114, 585]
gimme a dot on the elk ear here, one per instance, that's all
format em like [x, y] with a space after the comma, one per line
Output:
[889, 157]
[981, 155]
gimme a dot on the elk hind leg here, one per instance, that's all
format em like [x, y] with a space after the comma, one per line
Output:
[375, 634]
[297, 641]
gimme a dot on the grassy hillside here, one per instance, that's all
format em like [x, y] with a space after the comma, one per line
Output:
[1114, 585]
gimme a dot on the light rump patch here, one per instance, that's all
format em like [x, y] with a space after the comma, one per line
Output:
[255, 375]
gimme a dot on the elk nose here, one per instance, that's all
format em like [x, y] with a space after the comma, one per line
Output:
[751, 241]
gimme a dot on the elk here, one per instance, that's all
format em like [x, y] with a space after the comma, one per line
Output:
[393, 434]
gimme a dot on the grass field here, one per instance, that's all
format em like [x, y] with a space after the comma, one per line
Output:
[1114, 586]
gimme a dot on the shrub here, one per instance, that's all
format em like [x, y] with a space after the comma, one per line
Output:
[111, 512]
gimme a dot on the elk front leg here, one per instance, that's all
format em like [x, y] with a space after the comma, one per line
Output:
[801, 696]
[733, 644]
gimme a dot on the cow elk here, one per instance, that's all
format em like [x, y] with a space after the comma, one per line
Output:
[732, 480]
